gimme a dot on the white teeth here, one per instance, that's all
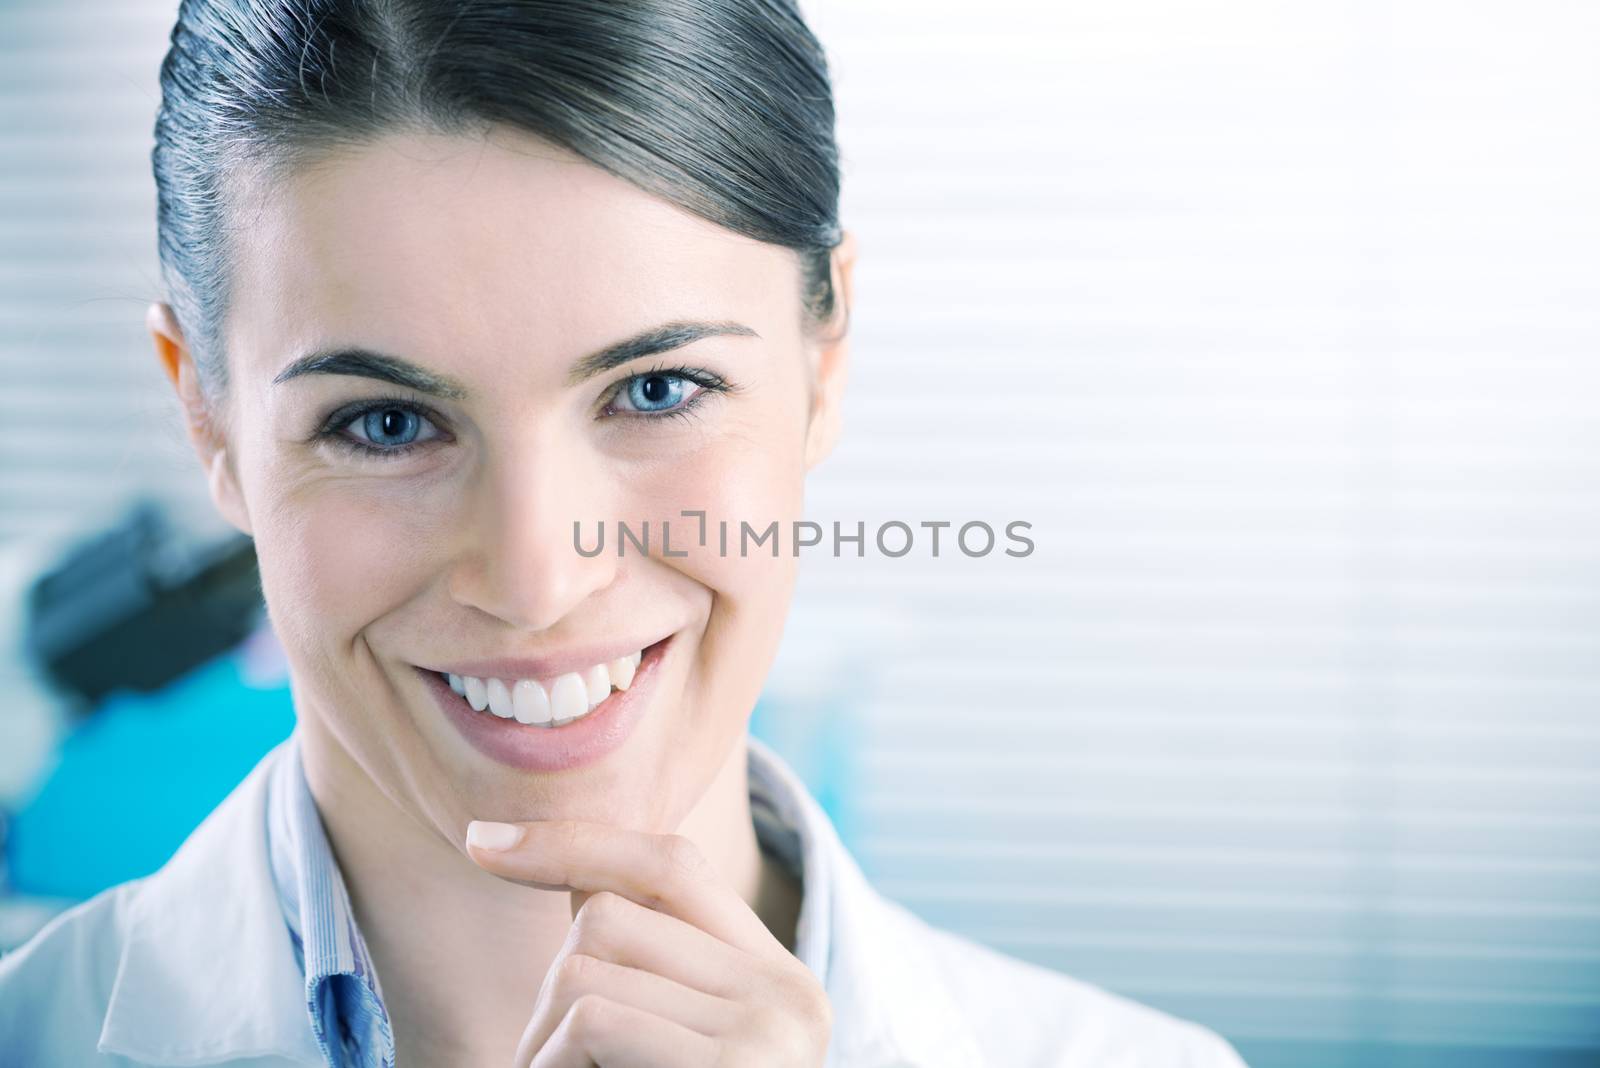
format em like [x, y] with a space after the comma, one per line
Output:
[551, 703]
[499, 698]
[597, 681]
[531, 702]
[569, 698]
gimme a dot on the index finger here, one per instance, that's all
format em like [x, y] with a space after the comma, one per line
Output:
[665, 872]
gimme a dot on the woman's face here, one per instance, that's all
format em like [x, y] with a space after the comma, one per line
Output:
[497, 266]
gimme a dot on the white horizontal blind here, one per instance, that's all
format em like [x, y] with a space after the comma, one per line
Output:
[86, 418]
[1277, 322]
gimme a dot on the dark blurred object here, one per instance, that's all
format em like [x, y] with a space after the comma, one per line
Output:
[140, 605]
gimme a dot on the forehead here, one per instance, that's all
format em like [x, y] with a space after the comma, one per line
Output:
[501, 246]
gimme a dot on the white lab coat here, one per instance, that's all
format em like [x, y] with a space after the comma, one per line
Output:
[194, 966]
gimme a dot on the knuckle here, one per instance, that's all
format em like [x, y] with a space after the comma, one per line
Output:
[818, 1010]
[598, 918]
[808, 1003]
[683, 858]
[605, 907]
[574, 974]
[779, 1034]
[769, 1021]
[737, 1051]
[600, 910]
[588, 1017]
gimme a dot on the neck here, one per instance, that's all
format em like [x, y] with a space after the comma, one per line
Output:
[460, 953]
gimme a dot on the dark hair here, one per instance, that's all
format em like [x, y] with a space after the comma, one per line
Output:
[722, 107]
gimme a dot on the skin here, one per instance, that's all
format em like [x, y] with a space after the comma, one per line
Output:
[500, 261]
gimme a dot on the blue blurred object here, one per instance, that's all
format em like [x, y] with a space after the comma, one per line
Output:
[141, 772]
[812, 737]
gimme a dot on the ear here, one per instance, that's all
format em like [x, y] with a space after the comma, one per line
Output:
[832, 362]
[205, 431]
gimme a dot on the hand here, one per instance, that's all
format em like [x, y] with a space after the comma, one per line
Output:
[665, 966]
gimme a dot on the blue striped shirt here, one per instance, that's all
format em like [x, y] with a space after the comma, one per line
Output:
[342, 992]
[343, 995]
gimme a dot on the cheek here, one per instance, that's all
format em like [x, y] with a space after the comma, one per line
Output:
[750, 474]
[334, 558]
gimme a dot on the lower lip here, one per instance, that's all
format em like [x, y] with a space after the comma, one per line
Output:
[529, 748]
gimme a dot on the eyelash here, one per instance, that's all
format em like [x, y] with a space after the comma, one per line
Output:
[709, 382]
[333, 427]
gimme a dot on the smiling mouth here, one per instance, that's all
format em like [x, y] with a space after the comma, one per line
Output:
[552, 702]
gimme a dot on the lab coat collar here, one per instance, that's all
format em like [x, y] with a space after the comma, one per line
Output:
[180, 998]
[208, 972]
[891, 1005]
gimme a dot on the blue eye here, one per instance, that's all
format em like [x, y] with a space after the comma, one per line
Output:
[665, 392]
[656, 392]
[380, 428]
[383, 425]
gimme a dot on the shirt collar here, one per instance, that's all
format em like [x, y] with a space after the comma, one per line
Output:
[228, 895]
[343, 998]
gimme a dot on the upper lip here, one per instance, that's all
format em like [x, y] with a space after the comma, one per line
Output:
[578, 658]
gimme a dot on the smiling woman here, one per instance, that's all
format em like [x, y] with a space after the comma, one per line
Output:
[443, 281]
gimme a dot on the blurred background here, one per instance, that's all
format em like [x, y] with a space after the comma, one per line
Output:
[1281, 325]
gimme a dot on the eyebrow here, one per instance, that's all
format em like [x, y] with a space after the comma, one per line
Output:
[365, 363]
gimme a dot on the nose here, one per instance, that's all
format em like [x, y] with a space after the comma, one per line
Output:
[519, 563]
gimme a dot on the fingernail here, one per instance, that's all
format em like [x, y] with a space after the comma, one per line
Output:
[495, 836]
